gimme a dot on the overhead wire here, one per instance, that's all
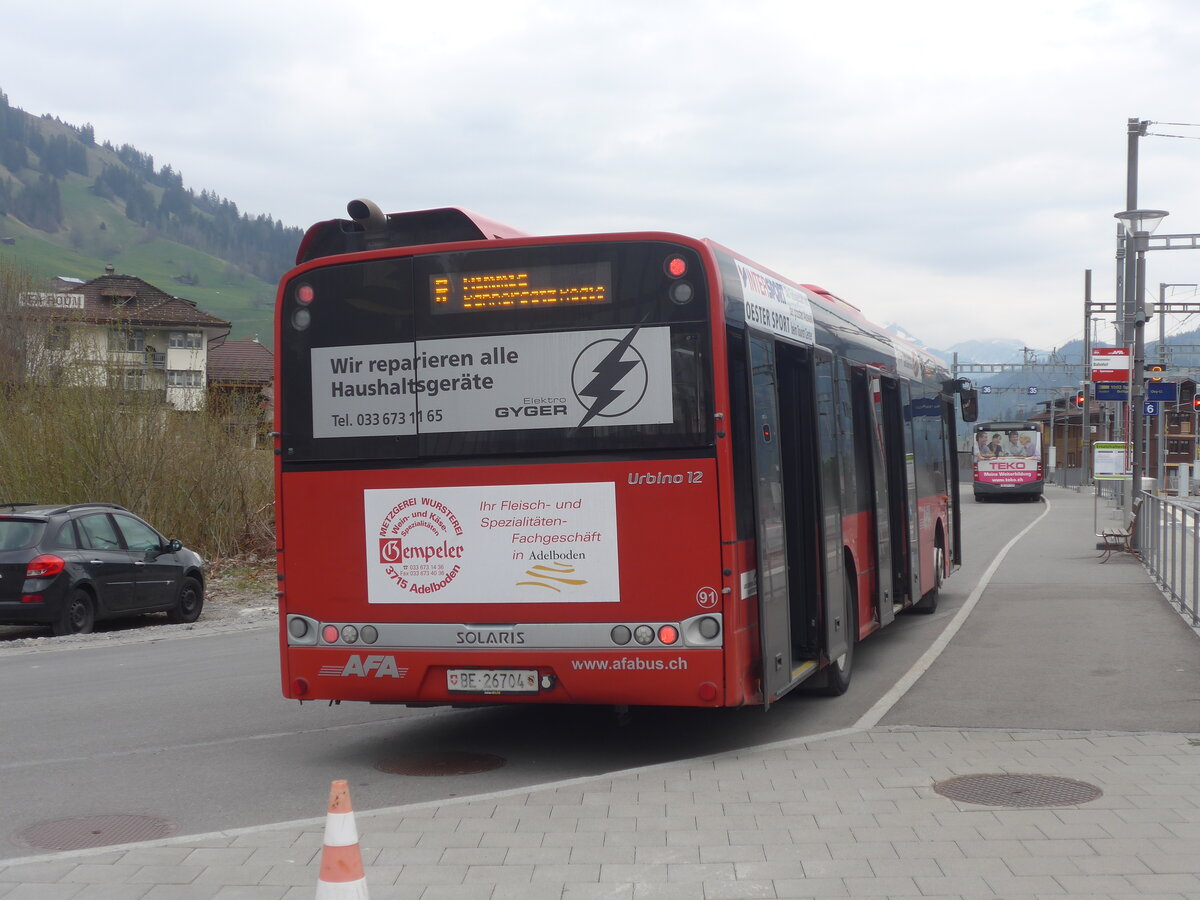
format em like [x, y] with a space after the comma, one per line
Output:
[1182, 137]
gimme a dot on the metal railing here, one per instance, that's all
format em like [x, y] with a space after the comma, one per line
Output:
[1168, 535]
[1071, 478]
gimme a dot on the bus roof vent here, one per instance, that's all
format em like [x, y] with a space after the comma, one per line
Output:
[369, 229]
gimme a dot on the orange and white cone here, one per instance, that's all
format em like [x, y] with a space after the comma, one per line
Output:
[341, 875]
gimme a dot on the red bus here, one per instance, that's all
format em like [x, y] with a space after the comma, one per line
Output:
[625, 469]
[1007, 460]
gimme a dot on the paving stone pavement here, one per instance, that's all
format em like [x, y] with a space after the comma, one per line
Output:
[852, 814]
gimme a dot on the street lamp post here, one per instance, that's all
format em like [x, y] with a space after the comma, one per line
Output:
[1139, 225]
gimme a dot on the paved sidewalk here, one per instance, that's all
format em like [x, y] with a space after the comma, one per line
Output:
[850, 815]
[857, 813]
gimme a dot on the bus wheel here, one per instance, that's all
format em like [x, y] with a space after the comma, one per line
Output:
[838, 672]
[928, 603]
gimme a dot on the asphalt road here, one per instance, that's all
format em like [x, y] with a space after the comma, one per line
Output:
[194, 730]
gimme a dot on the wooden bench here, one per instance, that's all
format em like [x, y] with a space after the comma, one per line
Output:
[1121, 539]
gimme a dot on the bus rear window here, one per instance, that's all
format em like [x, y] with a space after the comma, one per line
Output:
[550, 349]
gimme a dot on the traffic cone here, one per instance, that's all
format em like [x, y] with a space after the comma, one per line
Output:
[341, 875]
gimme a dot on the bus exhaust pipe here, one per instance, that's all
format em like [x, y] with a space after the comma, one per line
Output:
[367, 214]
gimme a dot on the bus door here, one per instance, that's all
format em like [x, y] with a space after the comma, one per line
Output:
[788, 512]
[902, 472]
[881, 493]
[838, 611]
[949, 444]
[889, 402]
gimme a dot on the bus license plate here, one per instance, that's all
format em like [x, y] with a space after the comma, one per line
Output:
[492, 681]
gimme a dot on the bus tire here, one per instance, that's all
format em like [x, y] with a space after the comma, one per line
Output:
[928, 604]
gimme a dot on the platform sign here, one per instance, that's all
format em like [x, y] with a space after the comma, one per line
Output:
[1109, 460]
[1162, 391]
[1150, 408]
[1110, 364]
[1110, 391]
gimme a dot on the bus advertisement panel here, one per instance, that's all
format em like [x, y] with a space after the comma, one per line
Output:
[1007, 459]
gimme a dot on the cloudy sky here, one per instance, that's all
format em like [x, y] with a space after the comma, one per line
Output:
[953, 167]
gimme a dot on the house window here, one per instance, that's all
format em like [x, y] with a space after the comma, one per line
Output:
[58, 337]
[134, 379]
[185, 378]
[120, 340]
[185, 340]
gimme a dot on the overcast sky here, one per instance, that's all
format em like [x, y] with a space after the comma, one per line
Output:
[953, 167]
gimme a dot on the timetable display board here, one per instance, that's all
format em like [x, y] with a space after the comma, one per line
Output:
[531, 287]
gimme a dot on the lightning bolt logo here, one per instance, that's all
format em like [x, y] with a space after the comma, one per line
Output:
[609, 372]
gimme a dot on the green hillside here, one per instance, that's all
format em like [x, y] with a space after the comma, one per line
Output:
[121, 211]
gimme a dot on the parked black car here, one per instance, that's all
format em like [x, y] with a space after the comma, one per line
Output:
[67, 566]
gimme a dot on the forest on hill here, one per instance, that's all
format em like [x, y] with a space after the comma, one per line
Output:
[73, 203]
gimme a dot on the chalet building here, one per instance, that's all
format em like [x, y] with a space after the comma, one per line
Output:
[125, 332]
[241, 376]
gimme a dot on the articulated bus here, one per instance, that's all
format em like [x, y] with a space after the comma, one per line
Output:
[1007, 460]
[620, 469]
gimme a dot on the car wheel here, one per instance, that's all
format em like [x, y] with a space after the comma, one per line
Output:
[188, 603]
[79, 616]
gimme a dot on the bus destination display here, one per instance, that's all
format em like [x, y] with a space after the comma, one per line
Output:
[576, 284]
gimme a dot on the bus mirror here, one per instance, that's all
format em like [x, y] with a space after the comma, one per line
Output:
[968, 399]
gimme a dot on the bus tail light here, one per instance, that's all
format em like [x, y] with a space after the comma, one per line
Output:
[299, 686]
[698, 631]
[681, 293]
[298, 627]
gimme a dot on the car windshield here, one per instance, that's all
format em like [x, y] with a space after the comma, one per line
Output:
[19, 534]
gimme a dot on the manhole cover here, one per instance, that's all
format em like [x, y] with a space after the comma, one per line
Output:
[94, 831]
[1017, 790]
[452, 762]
